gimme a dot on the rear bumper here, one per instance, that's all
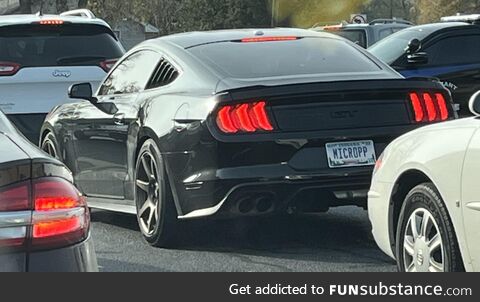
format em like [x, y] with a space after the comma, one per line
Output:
[77, 258]
[239, 195]
[29, 125]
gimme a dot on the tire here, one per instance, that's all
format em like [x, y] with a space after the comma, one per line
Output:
[50, 146]
[156, 213]
[433, 247]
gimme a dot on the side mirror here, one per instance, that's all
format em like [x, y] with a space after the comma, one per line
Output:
[419, 58]
[475, 104]
[413, 46]
[82, 92]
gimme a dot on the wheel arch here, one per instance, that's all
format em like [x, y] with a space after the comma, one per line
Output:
[404, 184]
[144, 134]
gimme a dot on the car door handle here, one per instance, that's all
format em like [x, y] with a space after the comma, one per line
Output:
[119, 119]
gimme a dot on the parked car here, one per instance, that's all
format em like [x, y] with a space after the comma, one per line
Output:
[366, 35]
[446, 50]
[181, 129]
[42, 55]
[44, 220]
[423, 202]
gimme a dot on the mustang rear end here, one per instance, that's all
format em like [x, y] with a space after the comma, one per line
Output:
[303, 147]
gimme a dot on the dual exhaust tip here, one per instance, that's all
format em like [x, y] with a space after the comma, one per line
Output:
[255, 205]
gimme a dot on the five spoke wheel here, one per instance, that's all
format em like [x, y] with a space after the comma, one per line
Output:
[148, 192]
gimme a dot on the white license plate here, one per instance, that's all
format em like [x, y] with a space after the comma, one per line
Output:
[351, 154]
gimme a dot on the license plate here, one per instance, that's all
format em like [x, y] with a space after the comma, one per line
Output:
[351, 154]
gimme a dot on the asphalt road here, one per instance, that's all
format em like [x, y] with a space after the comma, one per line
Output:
[339, 241]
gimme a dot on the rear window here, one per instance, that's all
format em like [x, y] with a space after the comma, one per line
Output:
[306, 56]
[356, 36]
[58, 45]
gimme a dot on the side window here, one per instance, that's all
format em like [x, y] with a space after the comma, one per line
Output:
[455, 50]
[163, 75]
[132, 74]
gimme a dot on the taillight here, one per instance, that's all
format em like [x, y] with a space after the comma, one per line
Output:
[244, 118]
[9, 68]
[429, 107]
[108, 64]
[47, 213]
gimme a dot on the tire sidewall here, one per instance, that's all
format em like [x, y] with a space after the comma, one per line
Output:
[425, 197]
[51, 137]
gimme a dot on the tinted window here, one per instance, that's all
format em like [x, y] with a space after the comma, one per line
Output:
[393, 47]
[60, 45]
[356, 36]
[382, 34]
[132, 74]
[465, 50]
[307, 56]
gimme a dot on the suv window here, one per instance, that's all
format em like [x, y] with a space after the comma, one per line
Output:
[58, 45]
[305, 56]
[358, 36]
[465, 51]
[132, 74]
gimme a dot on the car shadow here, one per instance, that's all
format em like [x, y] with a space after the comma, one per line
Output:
[339, 236]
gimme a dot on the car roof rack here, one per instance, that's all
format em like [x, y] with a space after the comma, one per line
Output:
[85, 13]
[474, 19]
[390, 21]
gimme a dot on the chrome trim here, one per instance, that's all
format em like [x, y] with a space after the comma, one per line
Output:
[39, 217]
[474, 206]
[15, 219]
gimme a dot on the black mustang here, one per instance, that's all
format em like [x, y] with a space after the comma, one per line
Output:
[238, 122]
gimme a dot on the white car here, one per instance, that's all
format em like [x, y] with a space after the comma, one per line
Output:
[42, 55]
[424, 202]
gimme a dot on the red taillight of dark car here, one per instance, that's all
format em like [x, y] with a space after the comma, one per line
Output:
[429, 107]
[244, 118]
[42, 214]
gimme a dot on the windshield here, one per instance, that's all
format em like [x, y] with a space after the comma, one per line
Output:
[306, 56]
[393, 47]
[66, 45]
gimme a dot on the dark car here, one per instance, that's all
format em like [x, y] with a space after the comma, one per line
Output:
[366, 35]
[44, 221]
[236, 123]
[448, 51]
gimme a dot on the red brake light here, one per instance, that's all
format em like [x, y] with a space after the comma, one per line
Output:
[431, 110]
[259, 117]
[417, 107]
[246, 117]
[61, 216]
[442, 104]
[45, 213]
[9, 68]
[268, 39]
[108, 65]
[51, 22]
[429, 107]
[224, 121]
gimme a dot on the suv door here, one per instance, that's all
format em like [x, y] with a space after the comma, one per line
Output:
[101, 138]
[454, 58]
